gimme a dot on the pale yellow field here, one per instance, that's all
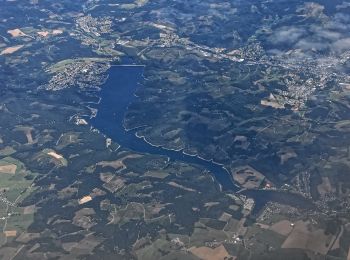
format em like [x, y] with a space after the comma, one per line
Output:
[283, 227]
[9, 168]
[207, 253]
[10, 50]
[55, 155]
[43, 33]
[16, 33]
[10, 233]
[57, 31]
[305, 237]
[85, 199]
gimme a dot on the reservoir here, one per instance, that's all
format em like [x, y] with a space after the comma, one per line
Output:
[116, 95]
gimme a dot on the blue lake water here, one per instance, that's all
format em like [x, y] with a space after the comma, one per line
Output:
[116, 94]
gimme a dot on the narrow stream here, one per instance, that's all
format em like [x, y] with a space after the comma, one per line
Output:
[116, 94]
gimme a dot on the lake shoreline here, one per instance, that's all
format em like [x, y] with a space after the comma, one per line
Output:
[110, 115]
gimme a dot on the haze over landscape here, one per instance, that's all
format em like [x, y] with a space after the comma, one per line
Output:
[137, 129]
